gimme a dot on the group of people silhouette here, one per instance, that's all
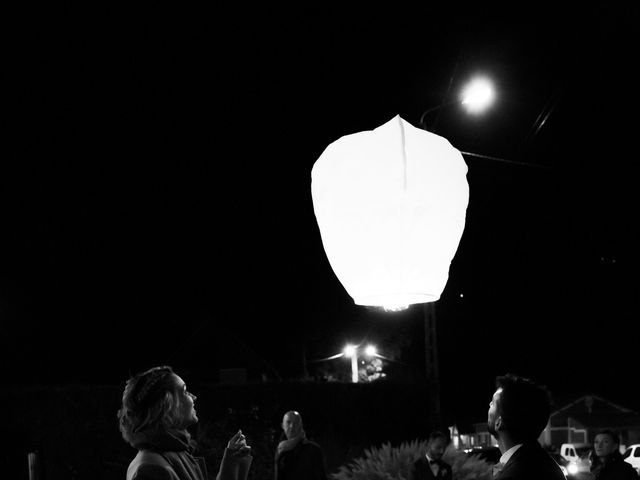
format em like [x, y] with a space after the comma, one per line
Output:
[157, 409]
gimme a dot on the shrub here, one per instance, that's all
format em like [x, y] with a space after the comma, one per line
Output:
[464, 467]
[395, 463]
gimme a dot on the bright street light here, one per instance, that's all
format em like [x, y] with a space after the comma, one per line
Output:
[349, 351]
[352, 351]
[478, 95]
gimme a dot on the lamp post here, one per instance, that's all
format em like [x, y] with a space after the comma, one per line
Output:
[432, 370]
[351, 351]
[476, 97]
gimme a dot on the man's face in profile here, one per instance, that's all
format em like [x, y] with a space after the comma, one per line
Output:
[492, 414]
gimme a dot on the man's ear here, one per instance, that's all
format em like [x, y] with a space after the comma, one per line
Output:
[499, 423]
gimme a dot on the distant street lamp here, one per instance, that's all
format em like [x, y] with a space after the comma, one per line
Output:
[351, 351]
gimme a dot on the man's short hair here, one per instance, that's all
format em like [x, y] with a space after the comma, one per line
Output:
[438, 434]
[524, 406]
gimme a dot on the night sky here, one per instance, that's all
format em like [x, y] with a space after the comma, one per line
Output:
[156, 203]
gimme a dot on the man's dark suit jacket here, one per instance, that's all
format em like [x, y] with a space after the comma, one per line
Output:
[422, 470]
[530, 462]
[304, 462]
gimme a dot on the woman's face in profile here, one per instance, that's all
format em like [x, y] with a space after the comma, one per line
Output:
[604, 445]
[186, 402]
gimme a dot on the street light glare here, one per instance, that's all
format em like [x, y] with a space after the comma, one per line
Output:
[478, 95]
[370, 350]
[349, 351]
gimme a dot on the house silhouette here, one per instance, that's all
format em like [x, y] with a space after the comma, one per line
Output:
[577, 421]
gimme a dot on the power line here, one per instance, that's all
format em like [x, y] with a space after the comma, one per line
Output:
[504, 160]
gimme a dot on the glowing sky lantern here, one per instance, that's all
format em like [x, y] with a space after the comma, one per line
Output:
[390, 205]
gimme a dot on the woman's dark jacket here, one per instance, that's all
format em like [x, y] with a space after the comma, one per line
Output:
[168, 456]
[614, 469]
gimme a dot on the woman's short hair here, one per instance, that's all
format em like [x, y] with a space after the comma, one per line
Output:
[613, 435]
[150, 401]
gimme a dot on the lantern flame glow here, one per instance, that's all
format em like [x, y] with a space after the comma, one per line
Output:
[394, 308]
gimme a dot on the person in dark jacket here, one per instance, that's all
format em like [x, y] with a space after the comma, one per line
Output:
[296, 457]
[606, 460]
[518, 413]
[156, 411]
[431, 466]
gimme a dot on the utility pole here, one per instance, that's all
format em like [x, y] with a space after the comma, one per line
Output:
[431, 355]
[354, 367]
[33, 460]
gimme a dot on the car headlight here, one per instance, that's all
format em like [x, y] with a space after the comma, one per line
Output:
[572, 468]
[564, 470]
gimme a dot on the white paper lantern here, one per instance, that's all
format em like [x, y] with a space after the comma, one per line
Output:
[390, 205]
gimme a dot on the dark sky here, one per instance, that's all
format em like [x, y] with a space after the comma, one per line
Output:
[156, 203]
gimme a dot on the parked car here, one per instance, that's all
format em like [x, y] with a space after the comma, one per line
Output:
[564, 464]
[577, 456]
[491, 455]
[632, 455]
[575, 451]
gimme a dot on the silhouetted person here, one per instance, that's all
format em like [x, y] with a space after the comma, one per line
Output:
[518, 413]
[156, 411]
[431, 466]
[296, 457]
[606, 460]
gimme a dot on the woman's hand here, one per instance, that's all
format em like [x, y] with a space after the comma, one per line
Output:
[238, 445]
